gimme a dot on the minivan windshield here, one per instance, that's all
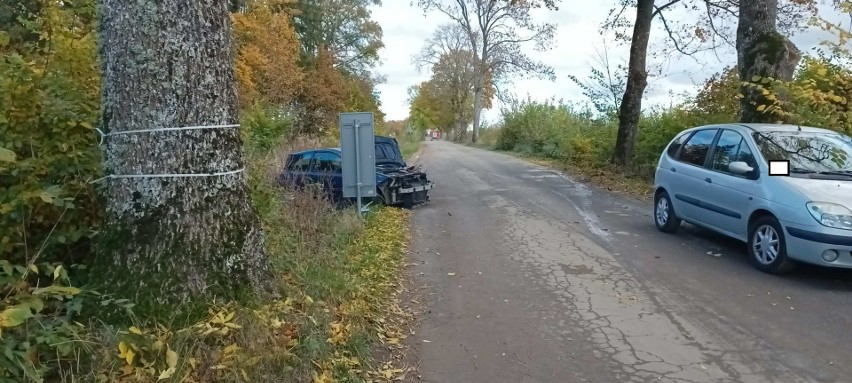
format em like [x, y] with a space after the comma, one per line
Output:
[808, 152]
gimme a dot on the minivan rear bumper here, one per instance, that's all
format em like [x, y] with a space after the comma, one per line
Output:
[809, 244]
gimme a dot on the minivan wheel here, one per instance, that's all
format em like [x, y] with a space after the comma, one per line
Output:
[664, 215]
[767, 248]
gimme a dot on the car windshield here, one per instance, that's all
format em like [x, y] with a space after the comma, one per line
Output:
[808, 152]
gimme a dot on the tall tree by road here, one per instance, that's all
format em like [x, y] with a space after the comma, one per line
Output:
[708, 32]
[762, 52]
[496, 32]
[169, 241]
[344, 28]
[447, 53]
[637, 79]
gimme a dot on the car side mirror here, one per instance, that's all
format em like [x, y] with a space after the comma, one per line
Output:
[740, 167]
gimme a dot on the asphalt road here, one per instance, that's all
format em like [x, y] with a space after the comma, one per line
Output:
[530, 276]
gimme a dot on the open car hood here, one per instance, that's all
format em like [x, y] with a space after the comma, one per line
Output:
[387, 152]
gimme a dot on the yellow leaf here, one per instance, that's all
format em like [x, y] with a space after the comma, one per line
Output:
[233, 325]
[167, 373]
[56, 272]
[231, 349]
[171, 358]
[135, 330]
[34, 268]
[229, 317]
[761, 108]
[54, 289]
[122, 349]
[128, 356]
[822, 72]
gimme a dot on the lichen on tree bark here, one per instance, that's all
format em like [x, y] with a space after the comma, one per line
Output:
[172, 245]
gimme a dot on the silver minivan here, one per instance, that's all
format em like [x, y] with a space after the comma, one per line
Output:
[718, 177]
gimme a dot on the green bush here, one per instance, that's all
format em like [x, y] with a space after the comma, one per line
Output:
[49, 90]
[263, 127]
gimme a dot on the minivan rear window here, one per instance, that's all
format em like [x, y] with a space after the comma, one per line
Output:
[695, 150]
[676, 144]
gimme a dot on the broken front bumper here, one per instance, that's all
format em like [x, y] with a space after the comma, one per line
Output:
[410, 196]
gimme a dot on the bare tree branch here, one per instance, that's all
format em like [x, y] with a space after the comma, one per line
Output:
[657, 10]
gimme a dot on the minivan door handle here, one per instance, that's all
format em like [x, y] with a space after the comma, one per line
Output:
[708, 180]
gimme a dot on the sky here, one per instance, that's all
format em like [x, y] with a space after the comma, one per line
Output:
[577, 41]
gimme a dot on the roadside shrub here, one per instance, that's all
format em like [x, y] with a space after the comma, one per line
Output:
[264, 126]
[39, 336]
[48, 148]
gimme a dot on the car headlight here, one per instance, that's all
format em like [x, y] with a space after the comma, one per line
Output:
[831, 214]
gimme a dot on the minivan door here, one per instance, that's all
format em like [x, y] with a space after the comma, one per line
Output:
[729, 194]
[689, 185]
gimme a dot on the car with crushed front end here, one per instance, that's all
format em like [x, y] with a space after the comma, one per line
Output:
[397, 184]
[717, 177]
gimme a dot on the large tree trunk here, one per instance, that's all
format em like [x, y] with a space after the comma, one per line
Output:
[478, 91]
[172, 244]
[637, 80]
[762, 52]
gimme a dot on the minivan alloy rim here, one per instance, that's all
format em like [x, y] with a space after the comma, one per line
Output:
[766, 244]
[662, 211]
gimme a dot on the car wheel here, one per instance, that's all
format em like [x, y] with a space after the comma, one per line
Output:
[664, 215]
[767, 248]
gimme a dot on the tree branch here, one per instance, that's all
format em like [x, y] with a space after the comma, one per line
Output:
[658, 10]
[674, 39]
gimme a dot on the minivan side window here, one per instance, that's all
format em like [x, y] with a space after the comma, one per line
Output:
[695, 150]
[676, 144]
[731, 147]
[301, 164]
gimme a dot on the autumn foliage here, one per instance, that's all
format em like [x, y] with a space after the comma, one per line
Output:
[267, 63]
[50, 212]
[272, 68]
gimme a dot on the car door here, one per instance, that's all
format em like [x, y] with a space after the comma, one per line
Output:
[729, 194]
[689, 180]
[327, 170]
[298, 168]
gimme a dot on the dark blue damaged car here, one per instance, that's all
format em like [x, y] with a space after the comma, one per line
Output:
[397, 184]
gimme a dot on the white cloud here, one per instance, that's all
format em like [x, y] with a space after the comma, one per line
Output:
[578, 36]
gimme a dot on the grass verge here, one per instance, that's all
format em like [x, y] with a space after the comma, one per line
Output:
[409, 148]
[339, 279]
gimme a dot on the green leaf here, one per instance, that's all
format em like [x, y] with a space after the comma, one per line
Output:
[36, 304]
[15, 315]
[7, 155]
